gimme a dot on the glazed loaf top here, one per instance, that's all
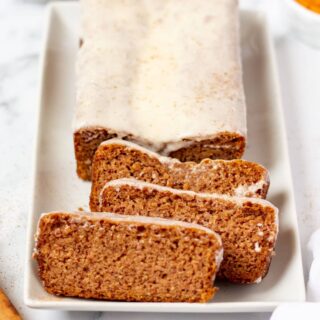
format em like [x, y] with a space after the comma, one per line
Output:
[160, 70]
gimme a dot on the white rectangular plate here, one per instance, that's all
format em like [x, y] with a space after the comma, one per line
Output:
[56, 186]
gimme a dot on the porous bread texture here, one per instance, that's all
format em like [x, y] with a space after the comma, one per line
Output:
[224, 146]
[113, 257]
[116, 159]
[248, 227]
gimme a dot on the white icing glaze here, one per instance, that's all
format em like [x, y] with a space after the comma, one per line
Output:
[161, 71]
[218, 261]
[81, 215]
[142, 184]
[135, 146]
[250, 189]
[257, 247]
[258, 280]
[219, 258]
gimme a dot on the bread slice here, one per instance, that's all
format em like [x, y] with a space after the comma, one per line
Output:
[117, 158]
[248, 227]
[129, 258]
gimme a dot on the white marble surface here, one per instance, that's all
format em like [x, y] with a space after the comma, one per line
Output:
[21, 27]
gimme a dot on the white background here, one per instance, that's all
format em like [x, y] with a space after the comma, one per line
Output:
[21, 28]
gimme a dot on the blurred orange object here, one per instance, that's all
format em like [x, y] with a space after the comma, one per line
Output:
[7, 310]
[313, 5]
